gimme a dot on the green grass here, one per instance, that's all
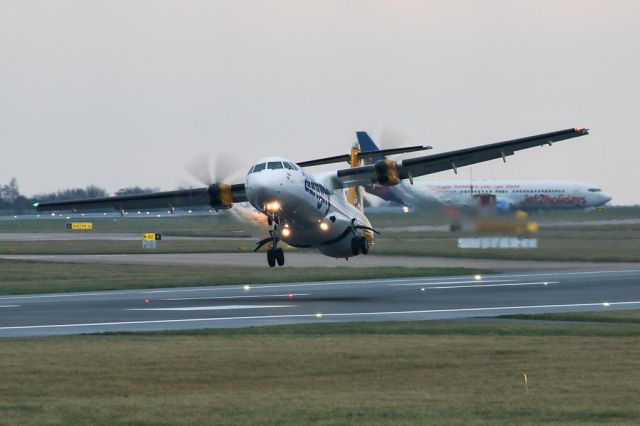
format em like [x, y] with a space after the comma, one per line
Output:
[214, 225]
[597, 244]
[610, 243]
[594, 246]
[451, 372]
[224, 224]
[124, 247]
[24, 277]
[621, 317]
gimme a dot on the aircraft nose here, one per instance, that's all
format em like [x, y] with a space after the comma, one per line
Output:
[605, 198]
[265, 190]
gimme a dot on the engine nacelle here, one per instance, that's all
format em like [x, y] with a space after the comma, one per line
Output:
[387, 172]
[220, 196]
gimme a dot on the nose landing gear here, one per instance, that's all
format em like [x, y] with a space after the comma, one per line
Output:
[274, 253]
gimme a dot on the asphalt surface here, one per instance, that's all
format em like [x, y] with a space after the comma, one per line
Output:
[338, 301]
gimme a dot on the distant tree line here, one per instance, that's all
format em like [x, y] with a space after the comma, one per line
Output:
[12, 202]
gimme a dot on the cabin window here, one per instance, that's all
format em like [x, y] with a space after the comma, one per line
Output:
[595, 189]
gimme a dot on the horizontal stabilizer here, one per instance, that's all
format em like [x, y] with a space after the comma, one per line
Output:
[367, 154]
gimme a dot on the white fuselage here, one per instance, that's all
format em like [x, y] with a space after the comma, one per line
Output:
[315, 216]
[503, 194]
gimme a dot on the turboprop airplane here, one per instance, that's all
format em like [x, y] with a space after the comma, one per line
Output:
[322, 211]
[476, 195]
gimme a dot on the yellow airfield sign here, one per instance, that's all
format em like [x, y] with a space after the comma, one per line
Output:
[150, 236]
[75, 226]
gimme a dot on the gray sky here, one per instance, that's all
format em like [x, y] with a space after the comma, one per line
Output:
[119, 93]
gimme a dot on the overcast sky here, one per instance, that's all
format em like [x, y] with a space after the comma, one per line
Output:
[119, 93]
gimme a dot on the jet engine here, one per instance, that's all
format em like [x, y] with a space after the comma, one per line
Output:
[387, 173]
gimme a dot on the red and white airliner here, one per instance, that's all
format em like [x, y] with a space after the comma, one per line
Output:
[503, 195]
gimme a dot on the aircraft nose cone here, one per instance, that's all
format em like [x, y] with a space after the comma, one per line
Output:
[605, 198]
[263, 190]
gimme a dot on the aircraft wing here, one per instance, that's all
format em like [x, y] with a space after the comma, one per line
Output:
[216, 196]
[419, 166]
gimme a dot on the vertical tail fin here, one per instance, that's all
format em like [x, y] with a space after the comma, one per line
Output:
[367, 144]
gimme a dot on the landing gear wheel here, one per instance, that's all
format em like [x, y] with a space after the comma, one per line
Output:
[279, 255]
[269, 220]
[364, 245]
[355, 246]
[271, 257]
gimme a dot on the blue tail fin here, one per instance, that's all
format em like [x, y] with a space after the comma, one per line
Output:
[367, 144]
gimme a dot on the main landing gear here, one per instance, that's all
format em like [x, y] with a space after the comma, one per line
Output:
[274, 253]
[360, 244]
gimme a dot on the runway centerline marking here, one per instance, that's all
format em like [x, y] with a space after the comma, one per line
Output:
[236, 297]
[543, 283]
[9, 306]
[496, 308]
[212, 308]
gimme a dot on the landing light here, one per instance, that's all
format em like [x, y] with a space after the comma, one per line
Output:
[273, 206]
[477, 277]
[606, 304]
[286, 232]
[405, 209]
[324, 226]
[246, 287]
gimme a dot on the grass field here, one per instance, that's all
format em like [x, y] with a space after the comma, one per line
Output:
[603, 244]
[595, 244]
[608, 243]
[225, 224]
[330, 374]
[25, 277]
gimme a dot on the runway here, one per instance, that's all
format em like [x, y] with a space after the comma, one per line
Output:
[319, 302]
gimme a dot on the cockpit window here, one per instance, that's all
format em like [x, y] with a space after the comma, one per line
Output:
[272, 165]
[289, 166]
[258, 167]
[595, 189]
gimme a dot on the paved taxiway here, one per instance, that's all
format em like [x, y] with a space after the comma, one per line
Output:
[373, 300]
